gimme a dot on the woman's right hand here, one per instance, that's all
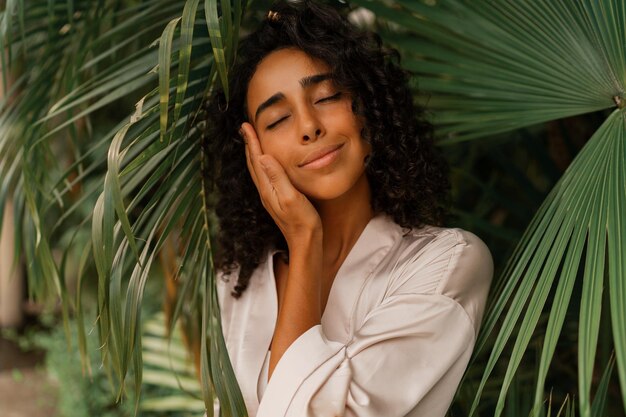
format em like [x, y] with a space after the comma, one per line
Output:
[291, 210]
[300, 307]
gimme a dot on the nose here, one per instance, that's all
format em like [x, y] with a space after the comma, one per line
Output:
[311, 126]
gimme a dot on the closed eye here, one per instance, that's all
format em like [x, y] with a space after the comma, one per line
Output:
[335, 96]
[273, 125]
[330, 98]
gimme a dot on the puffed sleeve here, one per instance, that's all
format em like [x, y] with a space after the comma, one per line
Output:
[409, 353]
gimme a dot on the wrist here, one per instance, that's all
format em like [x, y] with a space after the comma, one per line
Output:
[305, 241]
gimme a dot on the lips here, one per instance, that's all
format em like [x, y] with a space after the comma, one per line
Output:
[319, 153]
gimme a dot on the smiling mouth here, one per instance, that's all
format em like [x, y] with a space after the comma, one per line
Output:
[322, 158]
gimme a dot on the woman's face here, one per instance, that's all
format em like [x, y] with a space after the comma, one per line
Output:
[306, 123]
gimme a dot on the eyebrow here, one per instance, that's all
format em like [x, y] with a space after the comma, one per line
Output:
[305, 82]
[314, 79]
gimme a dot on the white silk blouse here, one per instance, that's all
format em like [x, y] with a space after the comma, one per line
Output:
[394, 340]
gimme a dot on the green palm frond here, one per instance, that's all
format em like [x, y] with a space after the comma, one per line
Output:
[52, 55]
[152, 187]
[490, 67]
[495, 66]
[168, 371]
[598, 408]
[166, 184]
[42, 53]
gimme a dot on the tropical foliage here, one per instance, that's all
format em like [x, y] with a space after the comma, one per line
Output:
[110, 188]
[170, 388]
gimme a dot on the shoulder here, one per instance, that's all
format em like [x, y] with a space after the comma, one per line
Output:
[449, 262]
[444, 251]
[454, 247]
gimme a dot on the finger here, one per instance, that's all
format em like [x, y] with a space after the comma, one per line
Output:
[249, 135]
[252, 140]
[254, 149]
[251, 168]
[259, 177]
[271, 179]
[283, 190]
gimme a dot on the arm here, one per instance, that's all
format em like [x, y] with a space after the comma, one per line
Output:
[406, 356]
[299, 222]
[301, 306]
[405, 350]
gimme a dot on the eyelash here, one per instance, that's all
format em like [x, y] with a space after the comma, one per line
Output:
[330, 98]
[273, 125]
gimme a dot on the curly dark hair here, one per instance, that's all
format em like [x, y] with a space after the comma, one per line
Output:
[408, 176]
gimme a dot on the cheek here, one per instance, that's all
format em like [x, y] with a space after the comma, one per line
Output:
[278, 153]
[268, 147]
[367, 146]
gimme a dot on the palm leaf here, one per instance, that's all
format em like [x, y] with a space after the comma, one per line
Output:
[167, 366]
[138, 162]
[495, 66]
[150, 186]
[598, 408]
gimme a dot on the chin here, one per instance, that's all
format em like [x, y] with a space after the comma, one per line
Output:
[322, 193]
[327, 189]
[323, 196]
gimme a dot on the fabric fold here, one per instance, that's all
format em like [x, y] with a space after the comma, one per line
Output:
[322, 356]
[401, 352]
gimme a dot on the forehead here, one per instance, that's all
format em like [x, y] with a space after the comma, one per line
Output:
[281, 71]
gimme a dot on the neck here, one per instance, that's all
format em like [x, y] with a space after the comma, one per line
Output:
[343, 220]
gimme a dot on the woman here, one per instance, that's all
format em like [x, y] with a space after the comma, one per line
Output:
[339, 294]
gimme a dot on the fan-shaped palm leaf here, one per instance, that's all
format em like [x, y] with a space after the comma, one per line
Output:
[494, 66]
